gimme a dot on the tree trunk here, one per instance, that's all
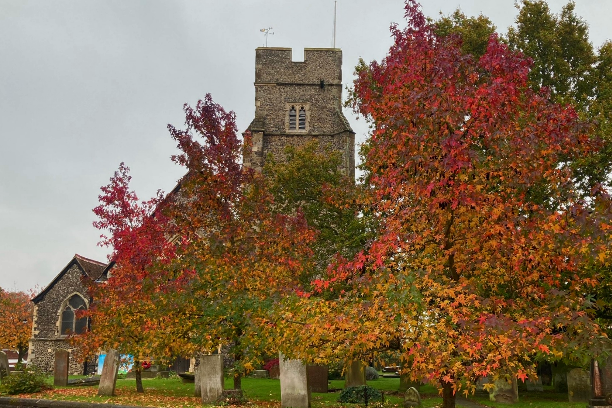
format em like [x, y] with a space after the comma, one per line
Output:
[138, 374]
[237, 381]
[448, 396]
[237, 359]
[21, 352]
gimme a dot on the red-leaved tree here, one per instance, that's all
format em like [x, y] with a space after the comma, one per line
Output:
[480, 266]
[125, 306]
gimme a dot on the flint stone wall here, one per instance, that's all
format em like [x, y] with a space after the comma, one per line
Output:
[316, 85]
[46, 338]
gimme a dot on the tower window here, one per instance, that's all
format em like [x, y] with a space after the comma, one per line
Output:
[302, 118]
[292, 118]
[297, 116]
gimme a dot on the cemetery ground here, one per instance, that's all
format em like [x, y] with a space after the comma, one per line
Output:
[263, 392]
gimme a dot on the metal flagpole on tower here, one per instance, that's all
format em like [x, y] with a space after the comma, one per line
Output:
[335, 6]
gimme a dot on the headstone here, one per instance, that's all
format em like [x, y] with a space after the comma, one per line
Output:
[211, 377]
[318, 376]
[412, 398]
[601, 383]
[108, 379]
[534, 385]
[294, 383]
[559, 377]
[260, 373]
[274, 372]
[480, 385]
[60, 370]
[4, 365]
[504, 391]
[355, 374]
[196, 379]
[578, 385]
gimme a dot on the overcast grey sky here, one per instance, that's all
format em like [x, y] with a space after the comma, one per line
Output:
[87, 84]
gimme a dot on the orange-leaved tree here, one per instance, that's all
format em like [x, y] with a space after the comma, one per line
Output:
[242, 253]
[481, 262]
[16, 310]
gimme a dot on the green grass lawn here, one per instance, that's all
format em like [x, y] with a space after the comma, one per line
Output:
[173, 392]
[533, 399]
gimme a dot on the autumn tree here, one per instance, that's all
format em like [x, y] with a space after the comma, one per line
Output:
[122, 311]
[564, 64]
[309, 179]
[242, 253]
[16, 310]
[480, 264]
[474, 32]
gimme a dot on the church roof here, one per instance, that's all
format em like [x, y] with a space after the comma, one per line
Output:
[90, 268]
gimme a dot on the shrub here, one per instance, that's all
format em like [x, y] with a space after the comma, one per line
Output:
[30, 380]
[371, 374]
[356, 395]
[270, 363]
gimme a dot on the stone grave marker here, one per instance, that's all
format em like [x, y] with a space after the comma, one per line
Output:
[534, 385]
[294, 383]
[196, 379]
[559, 377]
[412, 398]
[60, 369]
[601, 383]
[211, 377]
[355, 374]
[260, 374]
[578, 385]
[4, 365]
[504, 391]
[108, 379]
[318, 376]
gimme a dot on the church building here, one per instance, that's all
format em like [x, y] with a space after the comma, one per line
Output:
[295, 102]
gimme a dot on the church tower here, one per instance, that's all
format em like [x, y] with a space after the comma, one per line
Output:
[296, 102]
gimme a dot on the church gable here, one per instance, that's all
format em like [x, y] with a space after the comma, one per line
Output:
[55, 311]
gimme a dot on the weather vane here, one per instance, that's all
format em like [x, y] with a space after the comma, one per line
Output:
[267, 31]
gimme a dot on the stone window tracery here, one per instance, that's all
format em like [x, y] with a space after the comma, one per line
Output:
[297, 117]
[69, 321]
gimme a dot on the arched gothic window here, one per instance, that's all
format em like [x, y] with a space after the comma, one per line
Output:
[70, 323]
[292, 118]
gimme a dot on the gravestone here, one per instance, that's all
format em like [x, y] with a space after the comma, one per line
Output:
[355, 374]
[480, 385]
[412, 398]
[274, 372]
[108, 379]
[260, 374]
[534, 385]
[211, 377]
[318, 378]
[196, 379]
[601, 383]
[578, 385]
[504, 391]
[4, 365]
[559, 377]
[293, 383]
[60, 369]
